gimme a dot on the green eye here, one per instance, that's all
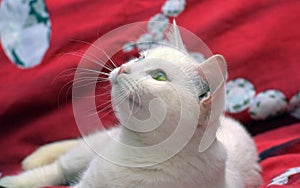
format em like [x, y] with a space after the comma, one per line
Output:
[159, 76]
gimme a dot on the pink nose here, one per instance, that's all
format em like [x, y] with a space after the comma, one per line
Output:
[122, 70]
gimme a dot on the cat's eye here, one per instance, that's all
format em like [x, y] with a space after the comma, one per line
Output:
[204, 92]
[201, 96]
[159, 75]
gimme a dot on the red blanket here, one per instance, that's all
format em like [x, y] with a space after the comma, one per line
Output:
[259, 39]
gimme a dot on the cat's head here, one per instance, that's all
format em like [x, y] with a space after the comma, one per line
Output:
[169, 74]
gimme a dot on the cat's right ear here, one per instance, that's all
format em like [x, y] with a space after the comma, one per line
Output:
[214, 67]
[214, 71]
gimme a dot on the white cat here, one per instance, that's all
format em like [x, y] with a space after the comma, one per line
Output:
[168, 73]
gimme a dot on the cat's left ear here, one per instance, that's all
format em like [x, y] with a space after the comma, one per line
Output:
[174, 37]
[214, 70]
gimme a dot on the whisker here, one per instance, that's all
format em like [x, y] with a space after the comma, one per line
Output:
[104, 87]
[119, 99]
[102, 94]
[68, 87]
[91, 78]
[108, 112]
[95, 96]
[120, 95]
[87, 84]
[138, 94]
[104, 64]
[106, 102]
[107, 56]
[92, 71]
[136, 89]
[97, 60]
[62, 74]
[102, 61]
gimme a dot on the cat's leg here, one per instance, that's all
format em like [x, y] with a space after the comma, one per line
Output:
[47, 154]
[61, 171]
[67, 168]
[241, 152]
[51, 174]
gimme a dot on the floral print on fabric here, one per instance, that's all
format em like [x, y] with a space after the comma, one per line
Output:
[294, 106]
[156, 27]
[173, 8]
[24, 31]
[267, 104]
[239, 95]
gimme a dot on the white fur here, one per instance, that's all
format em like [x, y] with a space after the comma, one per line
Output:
[47, 154]
[229, 162]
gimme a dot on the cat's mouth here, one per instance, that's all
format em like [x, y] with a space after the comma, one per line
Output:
[134, 101]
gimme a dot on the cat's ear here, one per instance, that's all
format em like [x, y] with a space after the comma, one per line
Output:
[174, 37]
[214, 67]
[215, 72]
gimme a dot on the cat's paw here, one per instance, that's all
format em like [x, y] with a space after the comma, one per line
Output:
[15, 182]
[39, 158]
[47, 154]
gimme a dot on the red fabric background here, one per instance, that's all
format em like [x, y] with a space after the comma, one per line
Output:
[259, 39]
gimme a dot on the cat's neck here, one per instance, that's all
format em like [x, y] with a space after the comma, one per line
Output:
[190, 152]
[159, 135]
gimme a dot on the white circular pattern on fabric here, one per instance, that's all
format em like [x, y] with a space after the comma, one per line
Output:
[158, 24]
[173, 8]
[129, 46]
[268, 104]
[158, 36]
[144, 42]
[156, 27]
[294, 106]
[25, 30]
[239, 94]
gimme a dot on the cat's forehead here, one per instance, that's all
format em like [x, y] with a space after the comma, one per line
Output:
[170, 55]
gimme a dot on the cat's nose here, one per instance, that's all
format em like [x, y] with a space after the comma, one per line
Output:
[123, 70]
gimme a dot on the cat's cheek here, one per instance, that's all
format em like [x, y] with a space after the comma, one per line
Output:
[155, 87]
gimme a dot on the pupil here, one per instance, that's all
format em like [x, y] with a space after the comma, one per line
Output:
[202, 95]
